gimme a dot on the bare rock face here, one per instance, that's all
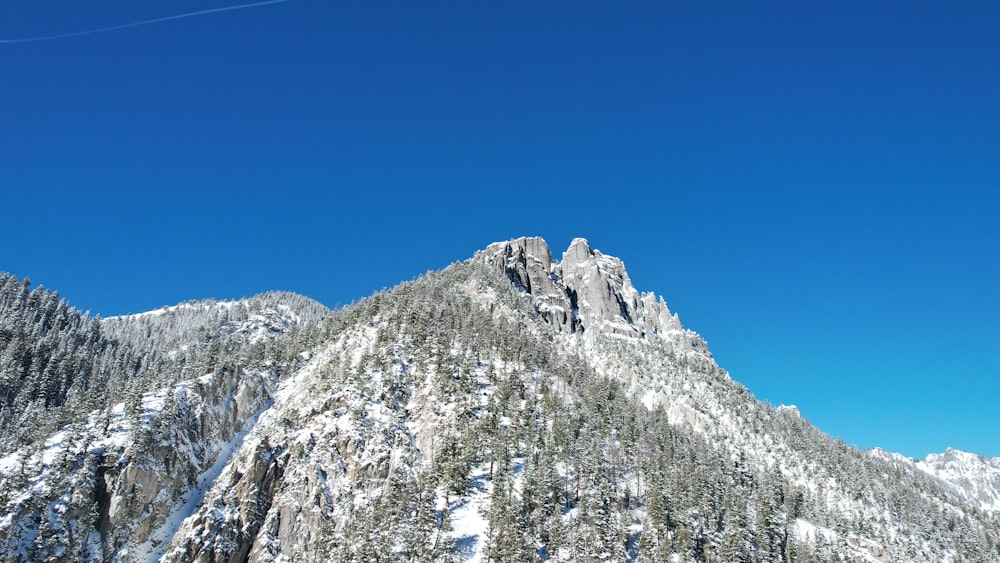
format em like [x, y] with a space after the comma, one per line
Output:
[603, 291]
[233, 527]
[287, 494]
[588, 291]
[527, 261]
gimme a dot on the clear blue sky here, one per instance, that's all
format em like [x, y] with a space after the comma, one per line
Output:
[814, 189]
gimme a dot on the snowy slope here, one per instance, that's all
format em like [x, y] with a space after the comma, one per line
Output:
[639, 341]
[350, 461]
[976, 476]
[116, 482]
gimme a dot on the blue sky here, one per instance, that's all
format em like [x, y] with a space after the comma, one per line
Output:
[814, 189]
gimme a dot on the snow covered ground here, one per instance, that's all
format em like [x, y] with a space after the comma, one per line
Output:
[468, 517]
[469, 514]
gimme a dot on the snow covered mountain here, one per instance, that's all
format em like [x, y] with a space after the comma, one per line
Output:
[976, 476]
[511, 407]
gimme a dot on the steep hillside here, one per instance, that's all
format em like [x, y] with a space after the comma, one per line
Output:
[125, 453]
[511, 407]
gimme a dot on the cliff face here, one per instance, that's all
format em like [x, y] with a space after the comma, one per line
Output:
[587, 291]
[584, 291]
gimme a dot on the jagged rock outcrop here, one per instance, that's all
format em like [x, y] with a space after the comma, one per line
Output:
[527, 261]
[588, 291]
[225, 532]
[207, 414]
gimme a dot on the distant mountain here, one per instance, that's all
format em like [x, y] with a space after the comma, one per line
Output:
[976, 476]
[510, 407]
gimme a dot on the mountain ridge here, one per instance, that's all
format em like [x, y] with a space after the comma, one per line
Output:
[506, 396]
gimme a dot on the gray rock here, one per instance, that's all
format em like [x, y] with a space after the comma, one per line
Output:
[588, 291]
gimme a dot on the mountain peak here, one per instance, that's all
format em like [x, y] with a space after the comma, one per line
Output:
[587, 292]
[271, 428]
[976, 476]
[578, 250]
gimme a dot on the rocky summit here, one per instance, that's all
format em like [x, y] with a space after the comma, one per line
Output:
[586, 289]
[511, 407]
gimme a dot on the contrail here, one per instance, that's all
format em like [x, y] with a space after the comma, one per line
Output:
[143, 22]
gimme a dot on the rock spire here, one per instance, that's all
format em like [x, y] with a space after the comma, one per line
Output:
[586, 291]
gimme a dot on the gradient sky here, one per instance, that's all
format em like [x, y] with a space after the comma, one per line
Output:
[814, 188]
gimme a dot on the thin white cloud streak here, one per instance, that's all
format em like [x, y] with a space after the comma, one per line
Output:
[142, 22]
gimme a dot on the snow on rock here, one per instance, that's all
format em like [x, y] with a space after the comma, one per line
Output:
[789, 410]
[589, 292]
[976, 477]
[153, 549]
[116, 485]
